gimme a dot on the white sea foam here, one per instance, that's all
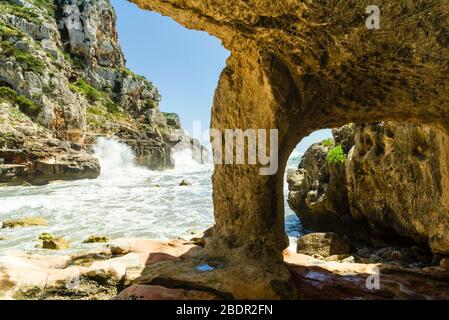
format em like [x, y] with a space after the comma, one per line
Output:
[125, 201]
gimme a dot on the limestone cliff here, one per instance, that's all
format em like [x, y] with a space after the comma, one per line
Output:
[389, 184]
[61, 66]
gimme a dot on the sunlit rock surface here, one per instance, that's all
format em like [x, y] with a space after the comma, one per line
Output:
[300, 66]
[393, 185]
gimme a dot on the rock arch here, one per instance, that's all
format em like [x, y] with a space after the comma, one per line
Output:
[300, 66]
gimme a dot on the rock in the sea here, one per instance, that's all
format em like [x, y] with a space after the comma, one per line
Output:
[56, 243]
[96, 239]
[323, 244]
[185, 183]
[24, 222]
[46, 236]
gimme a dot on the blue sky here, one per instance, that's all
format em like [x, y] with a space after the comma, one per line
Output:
[184, 64]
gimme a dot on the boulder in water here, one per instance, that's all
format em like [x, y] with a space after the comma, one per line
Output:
[24, 222]
[58, 243]
[46, 236]
[96, 239]
[185, 183]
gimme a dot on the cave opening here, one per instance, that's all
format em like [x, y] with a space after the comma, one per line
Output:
[376, 184]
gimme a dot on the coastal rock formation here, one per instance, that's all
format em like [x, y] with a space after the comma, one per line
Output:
[110, 273]
[91, 276]
[324, 244]
[61, 67]
[300, 66]
[30, 153]
[393, 185]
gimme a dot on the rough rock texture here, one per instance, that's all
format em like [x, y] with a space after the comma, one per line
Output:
[304, 65]
[31, 153]
[397, 177]
[145, 292]
[110, 273]
[61, 65]
[324, 244]
[393, 185]
[94, 275]
[326, 280]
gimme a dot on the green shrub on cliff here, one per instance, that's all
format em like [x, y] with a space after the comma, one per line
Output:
[328, 143]
[29, 14]
[7, 32]
[25, 59]
[25, 105]
[336, 155]
[94, 96]
[172, 120]
[48, 5]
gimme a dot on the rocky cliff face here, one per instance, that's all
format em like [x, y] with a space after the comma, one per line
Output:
[390, 185]
[62, 67]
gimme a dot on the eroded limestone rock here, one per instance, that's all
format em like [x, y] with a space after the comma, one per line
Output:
[300, 66]
[393, 185]
[24, 222]
[324, 244]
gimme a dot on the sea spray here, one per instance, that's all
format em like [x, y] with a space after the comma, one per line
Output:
[126, 201]
[114, 157]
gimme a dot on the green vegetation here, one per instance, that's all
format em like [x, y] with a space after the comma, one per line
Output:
[336, 155]
[7, 32]
[25, 59]
[29, 14]
[74, 60]
[172, 120]
[25, 105]
[129, 73]
[48, 5]
[328, 143]
[94, 96]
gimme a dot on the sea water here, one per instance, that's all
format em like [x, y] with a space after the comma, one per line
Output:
[124, 201]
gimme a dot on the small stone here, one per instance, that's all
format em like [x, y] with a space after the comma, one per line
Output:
[375, 258]
[96, 239]
[324, 244]
[444, 263]
[184, 183]
[56, 244]
[318, 257]
[46, 236]
[25, 222]
[337, 257]
[365, 252]
[350, 259]
[385, 253]
[198, 241]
